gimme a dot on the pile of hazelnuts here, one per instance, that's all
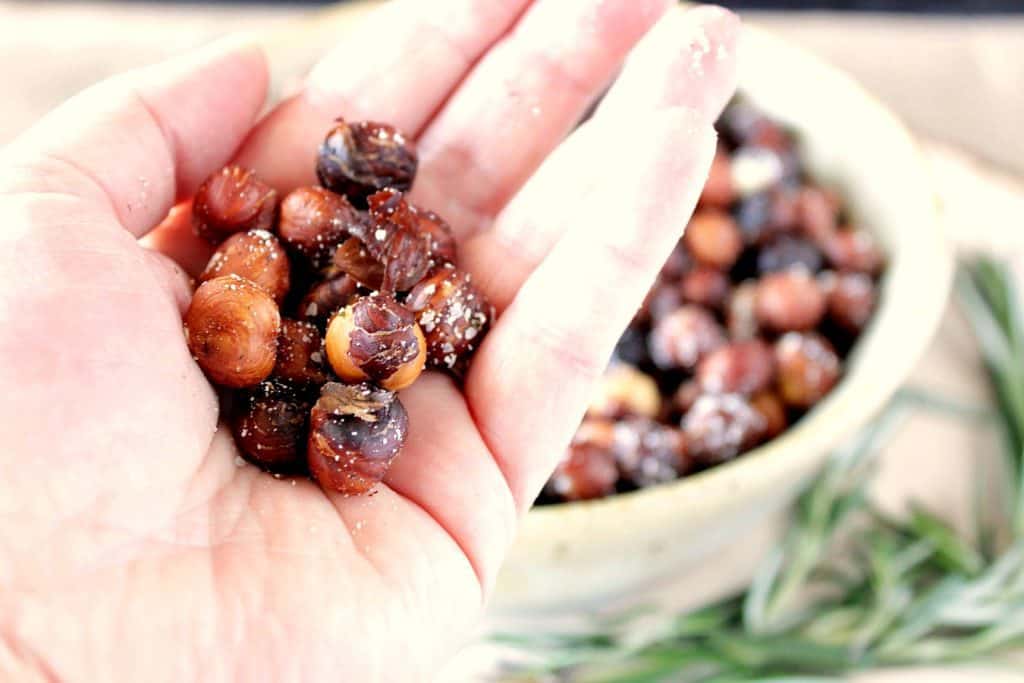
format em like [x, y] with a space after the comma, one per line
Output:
[316, 309]
[744, 330]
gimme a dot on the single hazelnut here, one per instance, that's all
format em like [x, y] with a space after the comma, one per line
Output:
[708, 287]
[232, 200]
[744, 367]
[808, 368]
[270, 425]
[649, 453]
[789, 300]
[851, 299]
[376, 339]
[314, 221]
[817, 213]
[231, 328]
[357, 159]
[355, 431]
[300, 354]
[682, 338]
[713, 239]
[255, 255]
[624, 390]
[855, 251]
[719, 191]
[454, 316]
[588, 469]
[721, 426]
[771, 408]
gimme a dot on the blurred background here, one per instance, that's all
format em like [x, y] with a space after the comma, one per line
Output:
[953, 69]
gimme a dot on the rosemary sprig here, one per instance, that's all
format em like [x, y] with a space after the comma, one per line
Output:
[897, 592]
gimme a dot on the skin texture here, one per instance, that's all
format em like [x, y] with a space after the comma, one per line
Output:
[132, 547]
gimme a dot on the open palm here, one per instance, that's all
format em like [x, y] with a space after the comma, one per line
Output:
[133, 546]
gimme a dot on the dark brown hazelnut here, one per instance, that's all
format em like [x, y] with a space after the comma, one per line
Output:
[588, 469]
[255, 255]
[649, 453]
[771, 408]
[440, 237]
[327, 298]
[708, 287]
[741, 312]
[300, 353]
[721, 426]
[231, 328]
[718, 190]
[271, 423]
[357, 159]
[764, 216]
[232, 200]
[454, 316]
[808, 368]
[851, 299]
[624, 390]
[744, 367]
[682, 338]
[355, 431]
[854, 251]
[376, 339]
[314, 221]
[789, 300]
[713, 239]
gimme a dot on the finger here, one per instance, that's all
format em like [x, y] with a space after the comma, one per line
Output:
[398, 66]
[554, 340]
[139, 142]
[447, 471]
[176, 238]
[521, 100]
[659, 74]
[171, 278]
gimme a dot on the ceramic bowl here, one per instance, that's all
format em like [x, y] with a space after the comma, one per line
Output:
[578, 554]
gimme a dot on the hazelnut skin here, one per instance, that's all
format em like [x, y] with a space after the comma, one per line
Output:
[357, 159]
[231, 328]
[454, 316]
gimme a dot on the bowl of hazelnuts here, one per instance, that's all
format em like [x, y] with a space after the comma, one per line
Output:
[805, 287]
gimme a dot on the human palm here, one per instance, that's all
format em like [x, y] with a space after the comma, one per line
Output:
[134, 544]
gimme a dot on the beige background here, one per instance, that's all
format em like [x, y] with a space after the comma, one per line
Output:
[960, 82]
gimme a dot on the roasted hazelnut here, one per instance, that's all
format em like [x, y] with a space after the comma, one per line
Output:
[453, 315]
[721, 426]
[649, 453]
[661, 300]
[785, 252]
[789, 300]
[314, 221]
[745, 367]
[624, 390]
[360, 158]
[816, 214]
[741, 312]
[764, 216]
[232, 200]
[300, 353]
[851, 299]
[713, 239]
[682, 338]
[770, 406]
[355, 431]
[376, 339]
[854, 251]
[255, 255]
[588, 468]
[808, 368]
[718, 190]
[271, 423]
[231, 328]
[327, 298]
[705, 286]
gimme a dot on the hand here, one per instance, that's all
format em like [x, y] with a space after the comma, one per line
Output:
[132, 546]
